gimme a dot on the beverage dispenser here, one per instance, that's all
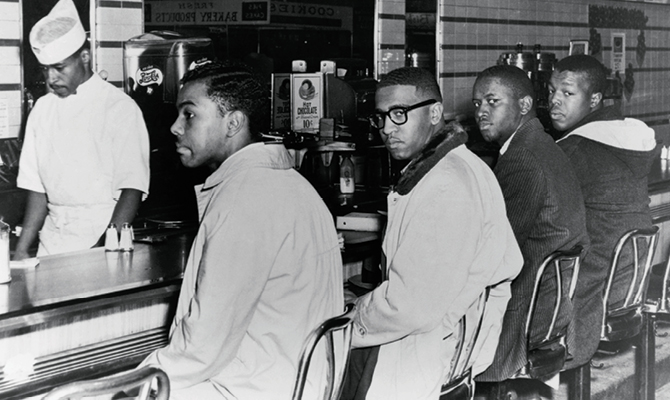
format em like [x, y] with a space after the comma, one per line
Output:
[153, 65]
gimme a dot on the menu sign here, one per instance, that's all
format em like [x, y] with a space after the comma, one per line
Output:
[306, 102]
[281, 101]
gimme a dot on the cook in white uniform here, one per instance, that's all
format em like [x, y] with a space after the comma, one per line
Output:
[85, 158]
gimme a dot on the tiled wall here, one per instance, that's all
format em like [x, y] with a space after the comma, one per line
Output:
[476, 32]
[116, 22]
[390, 36]
[10, 68]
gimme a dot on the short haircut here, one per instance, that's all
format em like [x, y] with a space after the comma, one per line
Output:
[592, 70]
[234, 87]
[423, 80]
[513, 78]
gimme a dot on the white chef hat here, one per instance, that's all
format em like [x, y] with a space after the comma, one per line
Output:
[58, 35]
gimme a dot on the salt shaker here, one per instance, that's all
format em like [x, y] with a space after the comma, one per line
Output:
[126, 242]
[111, 238]
[5, 271]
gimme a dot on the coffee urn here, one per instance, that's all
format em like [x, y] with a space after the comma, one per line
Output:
[538, 66]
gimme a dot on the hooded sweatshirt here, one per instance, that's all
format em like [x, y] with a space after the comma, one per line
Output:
[611, 157]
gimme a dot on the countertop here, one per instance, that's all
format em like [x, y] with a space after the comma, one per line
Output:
[659, 177]
[65, 278]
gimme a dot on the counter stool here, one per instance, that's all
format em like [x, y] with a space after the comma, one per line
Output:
[137, 378]
[459, 383]
[655, 309]
[626, 321]
[546, 357]
[337, 366]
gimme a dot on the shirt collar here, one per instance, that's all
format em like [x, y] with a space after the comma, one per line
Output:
[505, 145]
[88, 86]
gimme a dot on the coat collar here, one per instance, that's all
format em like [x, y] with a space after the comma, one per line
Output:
[255, 155]
[447, 139]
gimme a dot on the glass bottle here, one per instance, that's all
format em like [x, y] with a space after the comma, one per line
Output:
[347, 179]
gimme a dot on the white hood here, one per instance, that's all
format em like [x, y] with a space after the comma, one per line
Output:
[628, 134]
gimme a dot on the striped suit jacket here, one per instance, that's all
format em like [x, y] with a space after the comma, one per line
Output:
[546, 210]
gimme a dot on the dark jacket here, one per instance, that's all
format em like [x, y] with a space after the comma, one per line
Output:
[546, 211]
[613, 180]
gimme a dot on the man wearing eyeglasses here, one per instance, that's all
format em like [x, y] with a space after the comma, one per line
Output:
[447, 240]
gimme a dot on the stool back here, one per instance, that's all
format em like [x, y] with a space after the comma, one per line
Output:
[547, 357]
[336, 370]
[138, 378]
[660, 305]
[625, 321]
[459, 384]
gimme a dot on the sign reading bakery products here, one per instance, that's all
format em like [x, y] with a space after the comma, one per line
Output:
[246, 12]
[229, 12]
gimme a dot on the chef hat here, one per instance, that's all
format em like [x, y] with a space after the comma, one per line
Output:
[58, 35]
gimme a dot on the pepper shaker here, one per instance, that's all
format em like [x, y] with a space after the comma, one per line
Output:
[126, 243]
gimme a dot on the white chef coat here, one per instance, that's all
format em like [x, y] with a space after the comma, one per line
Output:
[82, 150]
[264, 270]
[446, 241]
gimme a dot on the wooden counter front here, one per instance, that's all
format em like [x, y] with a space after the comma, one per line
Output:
[87, 314]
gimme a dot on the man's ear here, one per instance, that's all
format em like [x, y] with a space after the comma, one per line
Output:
[235, 123]
[85, 56]
[436, 113]
[526, 104]
[596, 98]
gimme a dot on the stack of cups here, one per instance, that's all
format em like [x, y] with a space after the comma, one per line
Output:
[5, 272]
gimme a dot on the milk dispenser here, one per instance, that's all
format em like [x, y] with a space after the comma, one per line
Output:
[154, 63]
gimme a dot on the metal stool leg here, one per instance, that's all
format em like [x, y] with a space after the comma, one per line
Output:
[645, 360]
[579, 383]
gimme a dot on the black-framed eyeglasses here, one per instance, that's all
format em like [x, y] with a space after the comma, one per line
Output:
[397, 115]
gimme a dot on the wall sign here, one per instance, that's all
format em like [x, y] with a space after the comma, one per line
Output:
[229, 12]
[618, 53]
[281, 101]
[306, 102]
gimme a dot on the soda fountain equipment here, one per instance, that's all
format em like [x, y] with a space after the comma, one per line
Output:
[153, 65]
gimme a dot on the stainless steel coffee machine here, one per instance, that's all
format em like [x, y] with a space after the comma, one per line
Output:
[538, 66]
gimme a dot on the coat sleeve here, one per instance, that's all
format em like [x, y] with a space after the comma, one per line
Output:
[431, 274]
[524, 188]
[232, 273]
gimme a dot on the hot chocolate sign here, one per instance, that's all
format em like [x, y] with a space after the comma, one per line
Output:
[306, 102]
